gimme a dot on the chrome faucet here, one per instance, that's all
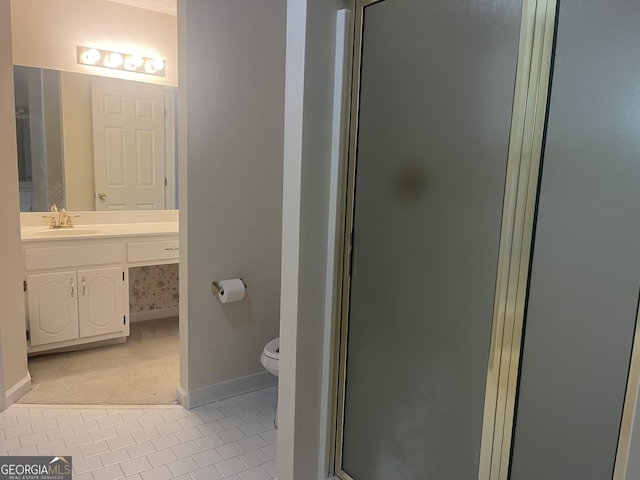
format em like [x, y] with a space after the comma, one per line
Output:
[59, 218]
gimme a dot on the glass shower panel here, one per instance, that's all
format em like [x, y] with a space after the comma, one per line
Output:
[585, 270]
[436, 94]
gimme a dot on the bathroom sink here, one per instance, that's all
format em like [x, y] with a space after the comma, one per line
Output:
[67, 232]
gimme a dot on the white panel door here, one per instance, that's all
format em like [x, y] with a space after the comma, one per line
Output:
[53, 307]
[128, 142]
[100, 301]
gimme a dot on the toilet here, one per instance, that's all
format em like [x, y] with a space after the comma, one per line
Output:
[270, 360]
[270, 357]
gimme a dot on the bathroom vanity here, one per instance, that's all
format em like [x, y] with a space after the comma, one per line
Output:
[77, 279]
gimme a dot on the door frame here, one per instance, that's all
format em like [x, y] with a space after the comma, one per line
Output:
[533, 73]
[170, 153]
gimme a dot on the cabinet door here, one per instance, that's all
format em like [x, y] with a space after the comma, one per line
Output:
[53, 307]
[100, 301]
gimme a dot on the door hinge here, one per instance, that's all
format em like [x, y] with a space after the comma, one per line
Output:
[28, 336]
[24, 285]
[124, 319]
[165, 182]
[123, 276]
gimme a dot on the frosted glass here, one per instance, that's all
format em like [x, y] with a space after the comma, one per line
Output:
[586, 263]
[436, 100]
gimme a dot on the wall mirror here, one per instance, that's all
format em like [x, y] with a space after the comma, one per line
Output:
[87, 142]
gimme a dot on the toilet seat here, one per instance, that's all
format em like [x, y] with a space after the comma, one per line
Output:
[272, 349]
[270, 357]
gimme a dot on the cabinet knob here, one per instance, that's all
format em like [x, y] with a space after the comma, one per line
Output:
[73, 287]
[102, 196]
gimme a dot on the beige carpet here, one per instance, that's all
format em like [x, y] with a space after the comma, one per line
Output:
[142, 371]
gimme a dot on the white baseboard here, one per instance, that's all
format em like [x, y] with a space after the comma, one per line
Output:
[182, 396]
[328, 478]
[222, 390]
[18, 390]
[153, 314]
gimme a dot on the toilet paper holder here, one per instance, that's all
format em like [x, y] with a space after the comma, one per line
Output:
[215, 289]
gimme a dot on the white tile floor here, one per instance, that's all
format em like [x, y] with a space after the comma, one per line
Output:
[232, 439]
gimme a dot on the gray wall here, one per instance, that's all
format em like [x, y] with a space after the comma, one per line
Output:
[12, 326]
[586, 268]
[231, 144]
[302, 434]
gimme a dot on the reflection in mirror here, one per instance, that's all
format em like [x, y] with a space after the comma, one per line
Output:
[39, 138]
[93, 143]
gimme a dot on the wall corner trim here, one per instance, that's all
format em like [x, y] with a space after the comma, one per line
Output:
[18, 390]
[220, 391]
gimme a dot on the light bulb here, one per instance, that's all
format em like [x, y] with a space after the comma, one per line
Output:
[153, 65]
[91, 56]
[114, 60]
[133, 62]
[148, 67]
[157, 64]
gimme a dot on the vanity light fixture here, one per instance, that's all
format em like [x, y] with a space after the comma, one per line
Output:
[121, 61]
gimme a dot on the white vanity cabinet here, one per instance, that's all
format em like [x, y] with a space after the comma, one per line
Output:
[75, 304]
[77, 280]
[76, 294]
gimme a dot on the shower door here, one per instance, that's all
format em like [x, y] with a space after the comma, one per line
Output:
[435, 85]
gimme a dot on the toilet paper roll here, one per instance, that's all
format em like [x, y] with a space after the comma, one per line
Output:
[231, 290]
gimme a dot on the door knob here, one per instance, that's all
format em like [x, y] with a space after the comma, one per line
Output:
[102, 196]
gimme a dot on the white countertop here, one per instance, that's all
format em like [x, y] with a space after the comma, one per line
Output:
[106, 230]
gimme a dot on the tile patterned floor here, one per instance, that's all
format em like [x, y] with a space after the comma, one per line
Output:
[232, 439]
